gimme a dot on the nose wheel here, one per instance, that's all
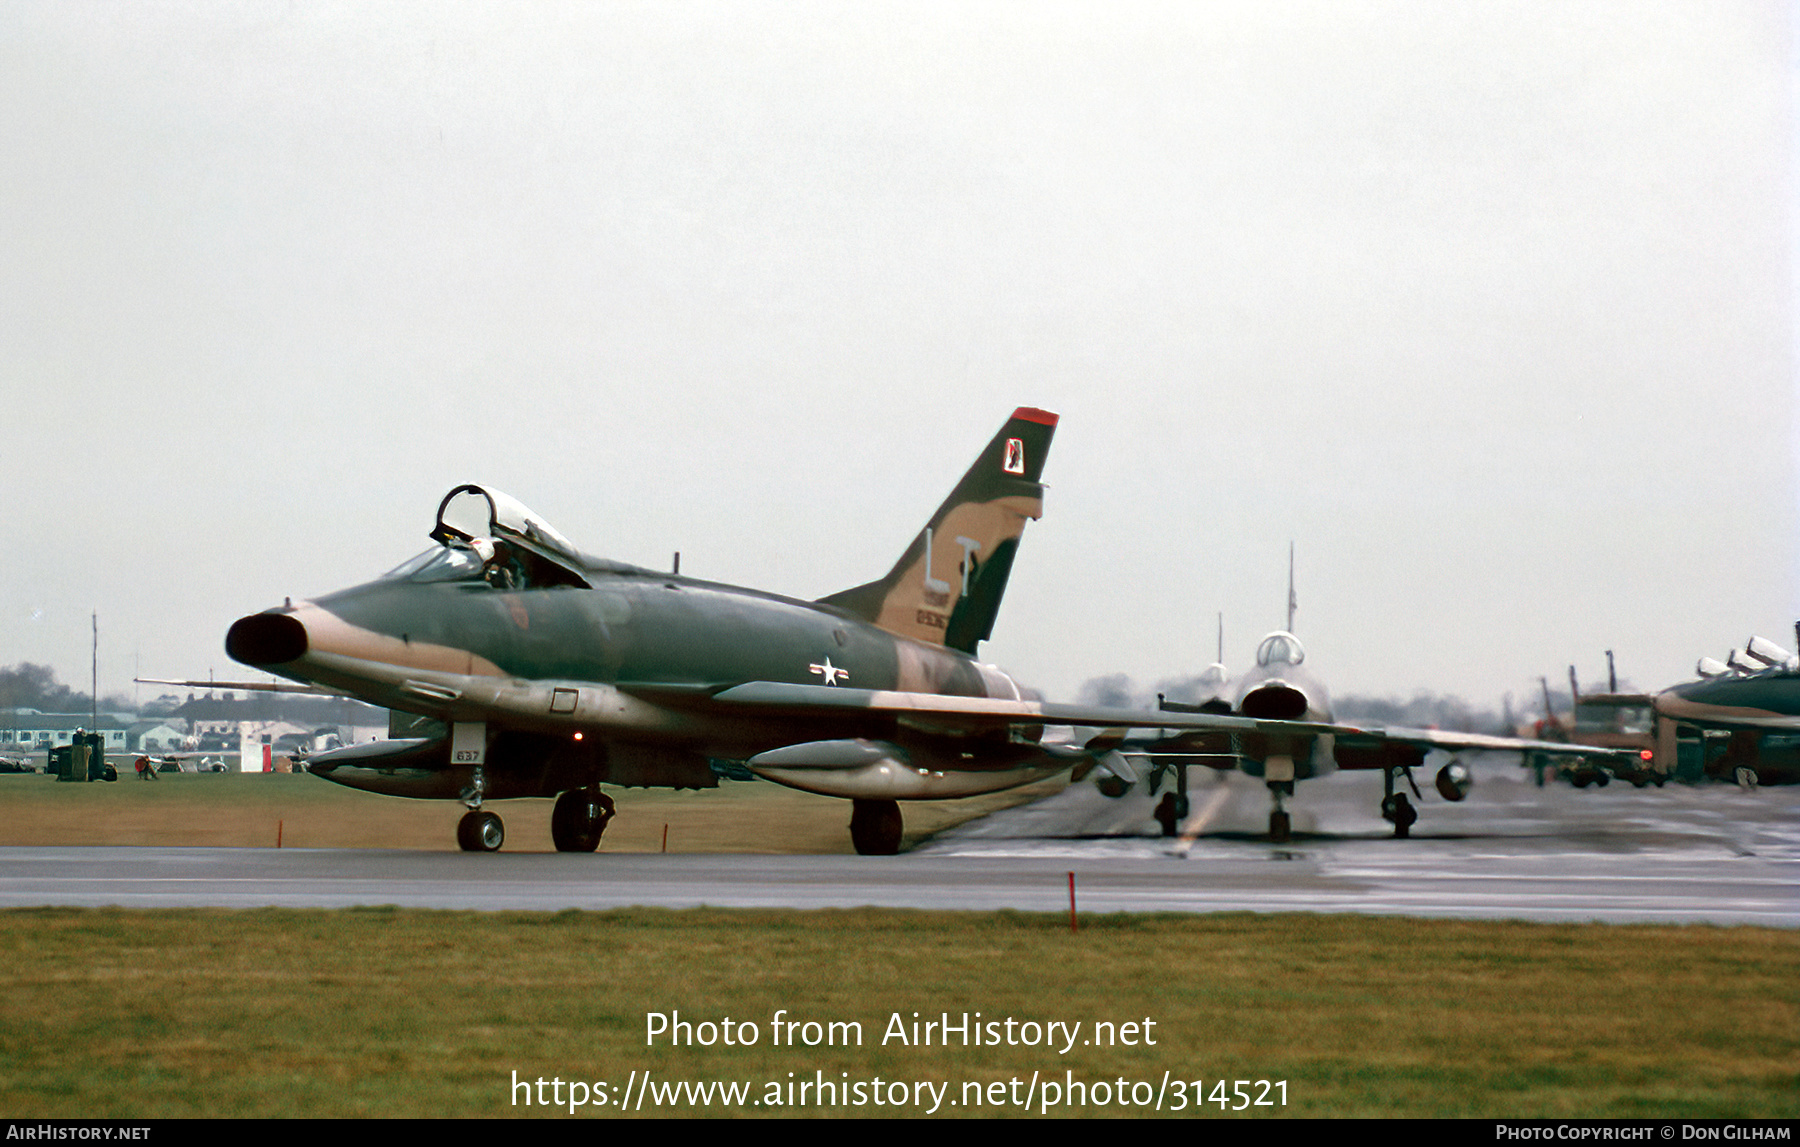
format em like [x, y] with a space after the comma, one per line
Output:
[1280, 827]
[480, 832]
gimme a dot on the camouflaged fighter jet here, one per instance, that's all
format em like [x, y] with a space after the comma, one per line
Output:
[516, 666]
[1297, 739]
[1753, 699]
[537, 671]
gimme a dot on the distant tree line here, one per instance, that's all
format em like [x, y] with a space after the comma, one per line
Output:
[31, 686]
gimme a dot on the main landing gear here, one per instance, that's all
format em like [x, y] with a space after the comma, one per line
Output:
[1400, 811]
[1396, 808]
[579, 818]
[576, 824]
[875, 827]
[1173, 808]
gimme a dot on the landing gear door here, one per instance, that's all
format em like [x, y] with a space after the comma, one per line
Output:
[468, 743]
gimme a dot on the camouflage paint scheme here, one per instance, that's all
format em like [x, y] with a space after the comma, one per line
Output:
[1761, 711]
[562, 671]
[1767, 700]
[518, 667]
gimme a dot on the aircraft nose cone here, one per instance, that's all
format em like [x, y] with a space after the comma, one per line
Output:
[266, 639]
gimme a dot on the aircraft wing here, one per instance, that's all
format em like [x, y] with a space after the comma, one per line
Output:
[940, 766]
[1166, 728]
[1473, 742]
[979, 713]
[994, 711]
[881, 770]
[249, 686]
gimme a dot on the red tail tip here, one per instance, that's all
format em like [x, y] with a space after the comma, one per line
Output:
[1033, 414]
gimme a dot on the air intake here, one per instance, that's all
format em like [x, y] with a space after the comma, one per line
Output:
[266, 639]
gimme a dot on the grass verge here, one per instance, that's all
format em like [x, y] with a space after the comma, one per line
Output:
[254, 810]
[127, 1014]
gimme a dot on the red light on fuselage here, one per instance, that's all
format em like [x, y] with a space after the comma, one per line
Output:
[578, 736]
[1643, 754]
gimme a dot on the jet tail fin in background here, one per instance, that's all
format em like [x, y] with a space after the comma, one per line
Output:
[946, 587]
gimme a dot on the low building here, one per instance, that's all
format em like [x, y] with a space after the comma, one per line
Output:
[28, 729]
[152, 737]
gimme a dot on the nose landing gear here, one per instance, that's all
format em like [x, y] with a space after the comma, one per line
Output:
[1280, 827]
[480, 832]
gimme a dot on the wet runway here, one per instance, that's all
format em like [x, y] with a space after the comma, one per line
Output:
[1678, 854]
[1511, 850]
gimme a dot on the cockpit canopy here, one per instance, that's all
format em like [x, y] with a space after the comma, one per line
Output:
[483, 533]
[1280, 648]
[470, 512]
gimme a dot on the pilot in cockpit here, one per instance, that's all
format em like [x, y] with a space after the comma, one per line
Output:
[499, 566]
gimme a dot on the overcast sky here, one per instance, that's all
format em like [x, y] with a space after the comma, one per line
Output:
[1489, 308]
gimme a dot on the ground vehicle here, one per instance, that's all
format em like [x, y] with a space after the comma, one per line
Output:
[88, 749]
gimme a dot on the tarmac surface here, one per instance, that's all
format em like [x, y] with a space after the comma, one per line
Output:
[1511, 850]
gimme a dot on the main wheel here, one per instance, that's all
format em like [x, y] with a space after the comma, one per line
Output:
[1279, 828]
[1167, 813]
[579, 819]
[480, 832]
[1403, 817]
[875, 827]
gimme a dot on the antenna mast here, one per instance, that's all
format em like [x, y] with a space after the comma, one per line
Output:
[1293, 602]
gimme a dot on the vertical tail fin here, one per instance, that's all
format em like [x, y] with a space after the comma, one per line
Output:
[946, 587]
